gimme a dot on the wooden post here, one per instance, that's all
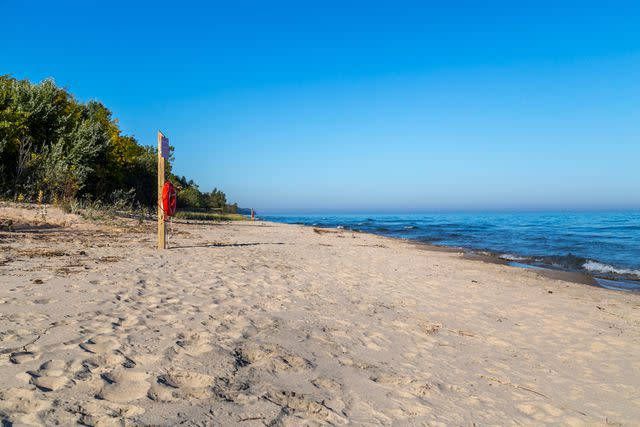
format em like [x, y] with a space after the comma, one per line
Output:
[162, 232]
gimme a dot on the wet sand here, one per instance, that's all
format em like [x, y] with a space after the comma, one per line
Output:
[272, 324]
[567, 276]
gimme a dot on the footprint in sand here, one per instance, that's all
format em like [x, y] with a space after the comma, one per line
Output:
[307, 409]
[196, 343]
[186, 384]
[100, 344]
[125, 322]
[123, 386]
[273, 358]
[104, 413]
[44, 301]
[51, 376]
[327, 383]
[404, 386]
[160, 393]
[182, 379]
[20, 357]
[104, 360]
[21, 406]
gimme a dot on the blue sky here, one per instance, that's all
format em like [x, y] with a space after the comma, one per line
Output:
[361, 106]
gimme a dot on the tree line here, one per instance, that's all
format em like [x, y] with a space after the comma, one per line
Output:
[56, 149]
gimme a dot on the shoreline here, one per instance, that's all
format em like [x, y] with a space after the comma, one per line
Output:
[611, 282]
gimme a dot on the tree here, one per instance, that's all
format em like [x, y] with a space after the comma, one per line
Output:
[216, 199]
[54, 144]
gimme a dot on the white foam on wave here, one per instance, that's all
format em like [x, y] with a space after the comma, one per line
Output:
[511, 257]
[599, 267]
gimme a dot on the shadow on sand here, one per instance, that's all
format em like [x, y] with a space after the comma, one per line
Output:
[30, 228]
[225, 245]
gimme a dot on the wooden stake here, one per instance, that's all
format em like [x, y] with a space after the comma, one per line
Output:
[162, 231]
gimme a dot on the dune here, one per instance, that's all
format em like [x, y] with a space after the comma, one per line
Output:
[257, 323]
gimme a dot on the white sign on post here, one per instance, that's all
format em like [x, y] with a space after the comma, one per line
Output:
[165, 147]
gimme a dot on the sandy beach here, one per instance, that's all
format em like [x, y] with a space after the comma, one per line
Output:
[256, 323]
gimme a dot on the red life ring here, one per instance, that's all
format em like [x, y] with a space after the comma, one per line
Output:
[169, 199]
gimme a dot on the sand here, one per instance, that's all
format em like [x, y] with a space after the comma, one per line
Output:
[269, 324]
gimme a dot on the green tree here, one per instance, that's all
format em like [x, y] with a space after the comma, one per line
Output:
[52, 143]
[216, 199]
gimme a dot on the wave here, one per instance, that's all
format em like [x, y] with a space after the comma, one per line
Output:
[511, 257]
[568, 261]
[598, 267]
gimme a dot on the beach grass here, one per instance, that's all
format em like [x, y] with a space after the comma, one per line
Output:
[209, 216]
